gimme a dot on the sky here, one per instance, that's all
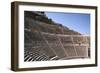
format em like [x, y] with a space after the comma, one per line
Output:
[76, 21]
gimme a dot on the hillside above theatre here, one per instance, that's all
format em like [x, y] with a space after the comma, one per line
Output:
[40, 22]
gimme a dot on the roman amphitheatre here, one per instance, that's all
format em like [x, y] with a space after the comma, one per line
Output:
[46, 40]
